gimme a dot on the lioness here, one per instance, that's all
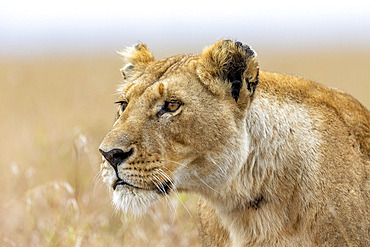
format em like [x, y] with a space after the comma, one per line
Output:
[277, 160]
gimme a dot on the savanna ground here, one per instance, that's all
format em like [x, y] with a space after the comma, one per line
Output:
[54, 113]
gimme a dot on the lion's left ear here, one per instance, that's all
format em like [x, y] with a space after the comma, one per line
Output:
[135, 58]
[231, 62]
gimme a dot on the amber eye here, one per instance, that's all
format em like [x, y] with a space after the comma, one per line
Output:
[172, 105]
[123, 105]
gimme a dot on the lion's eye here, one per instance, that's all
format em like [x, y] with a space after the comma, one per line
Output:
[123, 105]
[172, 105]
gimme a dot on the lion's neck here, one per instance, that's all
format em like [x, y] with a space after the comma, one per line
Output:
[280, 133]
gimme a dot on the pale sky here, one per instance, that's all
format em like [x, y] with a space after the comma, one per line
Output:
[46, 26]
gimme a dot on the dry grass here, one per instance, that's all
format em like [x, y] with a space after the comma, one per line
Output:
[54, 114]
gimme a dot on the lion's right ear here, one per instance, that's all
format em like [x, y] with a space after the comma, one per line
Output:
[233, 63]
[135, 58]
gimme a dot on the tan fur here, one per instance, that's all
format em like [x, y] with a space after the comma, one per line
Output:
[283, 164]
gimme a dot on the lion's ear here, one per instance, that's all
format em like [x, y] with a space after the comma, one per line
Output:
[232, 62]
[135, 58]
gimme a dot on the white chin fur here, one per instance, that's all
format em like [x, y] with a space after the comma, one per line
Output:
[132, 201]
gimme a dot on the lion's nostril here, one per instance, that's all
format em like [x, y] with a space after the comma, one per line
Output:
[116, 156]
[120, 156]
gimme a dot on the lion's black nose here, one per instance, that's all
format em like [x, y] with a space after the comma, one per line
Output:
[116, 156]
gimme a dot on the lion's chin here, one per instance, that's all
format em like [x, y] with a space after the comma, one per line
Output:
[131, 201]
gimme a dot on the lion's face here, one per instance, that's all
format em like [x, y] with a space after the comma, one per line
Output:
[180, 125]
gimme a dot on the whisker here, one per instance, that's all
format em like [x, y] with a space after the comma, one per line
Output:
[161, 143]
[206, 184]
[97, 176]
[176, 163]
[171, 202]
[175, 191]
[195, 174]
[173, 174]
[161, 172]
[219, 167]
[97, 180]
[159, 185]
[212, 162]
[168, 201]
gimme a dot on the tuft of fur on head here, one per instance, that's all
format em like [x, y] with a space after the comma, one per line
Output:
[135, 58]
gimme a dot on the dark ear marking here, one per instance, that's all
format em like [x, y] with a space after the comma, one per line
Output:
[234, 71]
[235, 89]
[231, 62]
[251, 85]
[247, 48]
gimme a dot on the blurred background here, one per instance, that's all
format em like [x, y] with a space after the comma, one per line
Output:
[58, 74]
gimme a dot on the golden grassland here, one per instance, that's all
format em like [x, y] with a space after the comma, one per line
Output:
[55, 112]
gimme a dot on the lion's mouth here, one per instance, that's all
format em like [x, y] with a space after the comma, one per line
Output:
[163, 188]
[122, 182]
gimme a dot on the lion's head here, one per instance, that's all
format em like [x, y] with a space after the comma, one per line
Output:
[180, 125]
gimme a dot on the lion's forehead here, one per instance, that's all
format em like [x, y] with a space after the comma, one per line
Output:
[179, 67]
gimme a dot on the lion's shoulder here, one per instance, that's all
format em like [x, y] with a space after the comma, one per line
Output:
[323, 102]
